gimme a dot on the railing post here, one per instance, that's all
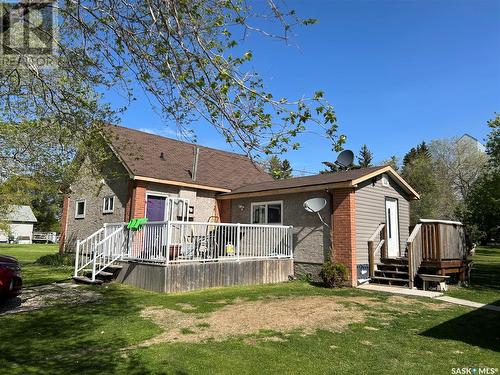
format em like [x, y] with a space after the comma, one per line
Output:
[384, 247]
[410, 265]
[290, 240]
[94, 262]
[371, 258]
[169, 237]
[77, 257]
[238, 232]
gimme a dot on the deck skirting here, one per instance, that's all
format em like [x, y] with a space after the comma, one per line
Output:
[192, 276]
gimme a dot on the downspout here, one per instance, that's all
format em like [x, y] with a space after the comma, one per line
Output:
[196, 154]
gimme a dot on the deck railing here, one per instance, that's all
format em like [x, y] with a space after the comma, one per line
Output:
[443, 240]
[376, 247]
[181, 242]
[414, 253]
[85, 250]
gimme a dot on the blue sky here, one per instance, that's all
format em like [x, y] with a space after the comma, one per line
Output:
[397, 73]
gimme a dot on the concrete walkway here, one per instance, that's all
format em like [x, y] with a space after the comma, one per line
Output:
[464, 302]
[400, 290]
[428, 294]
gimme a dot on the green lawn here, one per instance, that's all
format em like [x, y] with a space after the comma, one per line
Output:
[485, 278]
[36, 274]
[396, 336]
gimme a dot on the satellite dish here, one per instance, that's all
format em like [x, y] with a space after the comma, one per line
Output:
[345, 159]
[314, 204]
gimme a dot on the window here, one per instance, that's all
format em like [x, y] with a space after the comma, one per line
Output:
[80, 208]
[267, 213]
[108, 205]
[385, 180]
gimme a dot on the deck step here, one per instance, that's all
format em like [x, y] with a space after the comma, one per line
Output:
[86, 280]
[391, 272]
[389, 280]
[113, 268]
[103, 274]
[387, 268]
[395, 261]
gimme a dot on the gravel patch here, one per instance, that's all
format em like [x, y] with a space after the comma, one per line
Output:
[43, 296]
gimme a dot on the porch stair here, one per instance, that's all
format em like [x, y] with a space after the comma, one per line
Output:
[392, 272]
[107, 275]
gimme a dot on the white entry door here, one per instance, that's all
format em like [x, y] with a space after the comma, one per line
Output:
[392, 220]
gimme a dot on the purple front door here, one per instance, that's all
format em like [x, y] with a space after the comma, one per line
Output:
[155, 209]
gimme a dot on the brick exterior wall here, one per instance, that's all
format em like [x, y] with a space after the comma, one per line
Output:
[139, 200]
[64, 223]
[224, 211]
[344, 230]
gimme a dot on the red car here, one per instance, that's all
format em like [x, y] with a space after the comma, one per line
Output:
[10, 276]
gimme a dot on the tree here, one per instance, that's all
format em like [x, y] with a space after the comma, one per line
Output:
[415, 152]
[365, 157]
[188, 56]
[458, 161]
[42, 195]
[278, 169]
[481, 209]
[437, 200]
[393, 162]
[330, 167]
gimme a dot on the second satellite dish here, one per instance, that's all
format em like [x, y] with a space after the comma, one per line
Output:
[314, 204]
[345, 159]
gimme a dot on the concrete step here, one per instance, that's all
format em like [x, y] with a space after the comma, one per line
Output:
[86, 280]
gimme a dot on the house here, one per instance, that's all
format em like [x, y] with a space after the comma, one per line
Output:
[215, 218]
[469, 139]
[20, 220]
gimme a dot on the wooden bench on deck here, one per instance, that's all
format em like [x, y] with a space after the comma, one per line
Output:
[441, 279]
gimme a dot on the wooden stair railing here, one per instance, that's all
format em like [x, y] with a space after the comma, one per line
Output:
[377, 237]
[415, 253]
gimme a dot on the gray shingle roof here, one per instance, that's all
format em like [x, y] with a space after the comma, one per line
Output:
[21, 214]
[140, 152]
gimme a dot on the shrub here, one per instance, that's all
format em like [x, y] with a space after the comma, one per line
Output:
[56, 260]
[334, 275]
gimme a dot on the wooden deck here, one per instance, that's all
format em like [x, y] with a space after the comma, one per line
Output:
[191, 276]
[434, 247]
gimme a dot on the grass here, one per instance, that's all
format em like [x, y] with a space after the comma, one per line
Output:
[485, 278]
[92, 338]
[36, 274]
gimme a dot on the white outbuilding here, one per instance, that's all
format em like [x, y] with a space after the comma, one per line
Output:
[20, 220]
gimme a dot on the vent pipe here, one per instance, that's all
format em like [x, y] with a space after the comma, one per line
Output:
[196, 154]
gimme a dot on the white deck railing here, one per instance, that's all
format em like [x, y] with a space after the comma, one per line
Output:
[173, 242]
[181, 242]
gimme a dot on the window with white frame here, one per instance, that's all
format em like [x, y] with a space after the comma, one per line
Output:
[108, 204]
[267, 213]
[80, 208]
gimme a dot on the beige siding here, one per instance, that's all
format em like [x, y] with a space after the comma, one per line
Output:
[311, 239]
[370, 212]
